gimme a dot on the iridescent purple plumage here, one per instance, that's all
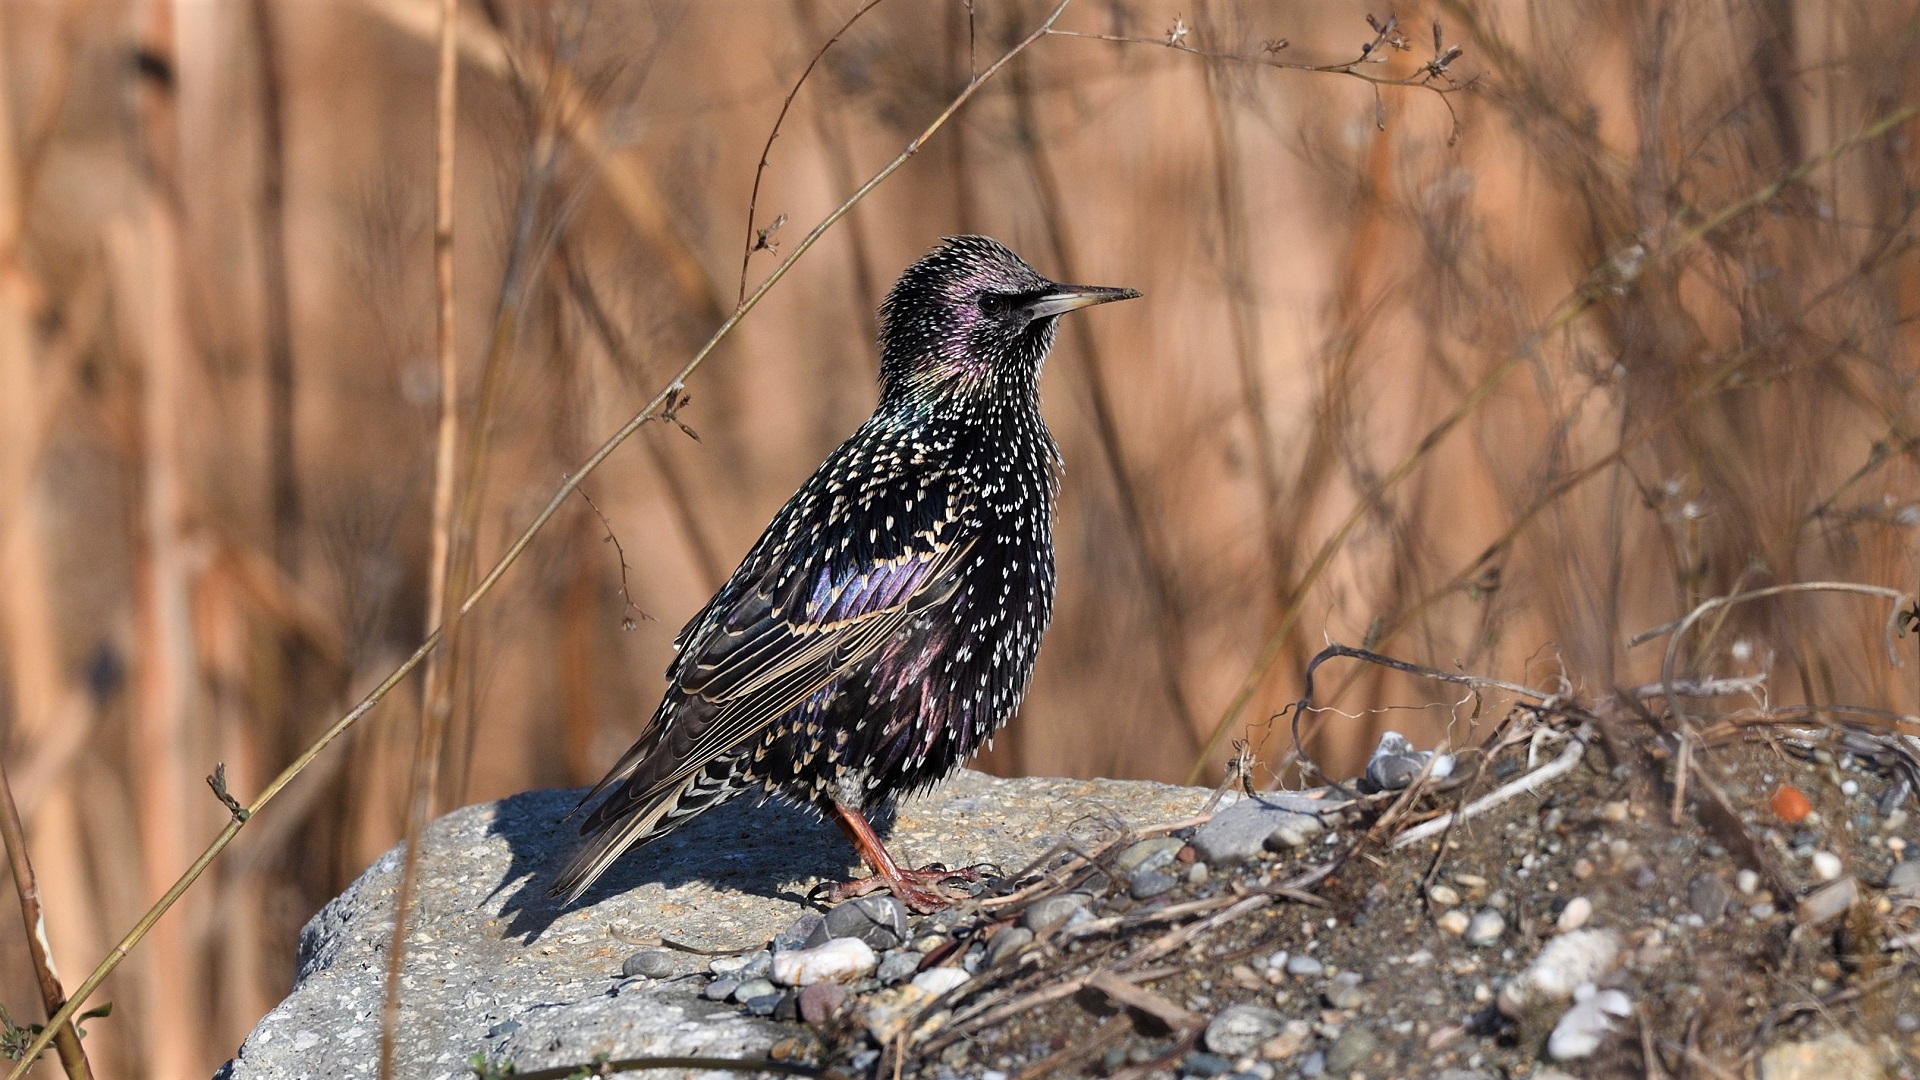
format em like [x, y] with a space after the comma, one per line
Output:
[888, 619]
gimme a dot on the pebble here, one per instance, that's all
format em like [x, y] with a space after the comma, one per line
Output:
[1614, 812]
[1644, 878]
[1762, 910]
[1044, 915]
[1827, 902]
[1354, 1046]
[753, 988]
[937, 981]
[1475, 885]
[1315, 1064]
[1486, 928]
[1147, 884]
[890, 1011]
[652, 963]
[1746, 881]
[1007, 944]
[1708, 896]
[820, 1001]
[1345, 992]
[1291, 1040]
[1567, 961]
[1789, 805]
[880, 921]
[1574, 915]
[1444, 895]
[1826, 865]
[720, 989]
[897, 966]
[1240, 831]
[1149, 855]
[766, 1004]
[839, 960]
[1303, 966]
[1197, 874]
[796, 934]
[1904, 881]
[726, 965]
[1205, 1065]
[1907, 1023]
[1454, 922]
[1580, 1030]
[1240, 1028]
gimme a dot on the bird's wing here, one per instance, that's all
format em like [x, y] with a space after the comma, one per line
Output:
[795, 616]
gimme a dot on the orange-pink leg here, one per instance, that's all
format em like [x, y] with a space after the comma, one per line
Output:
[921, 890]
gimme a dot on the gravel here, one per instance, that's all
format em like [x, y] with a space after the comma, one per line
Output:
[1238, 1029]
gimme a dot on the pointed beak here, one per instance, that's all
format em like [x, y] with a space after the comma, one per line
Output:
[1064, 298]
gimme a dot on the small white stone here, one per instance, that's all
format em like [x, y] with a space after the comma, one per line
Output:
[1454, 922]
[1579, 1032]
[1827, 865]
[937, 981]
[1444, 895]
[838, 960]
[1746, 881]
[1574, 915]
[1486, 927]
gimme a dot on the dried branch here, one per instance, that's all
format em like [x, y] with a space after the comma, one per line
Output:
[73, 1058]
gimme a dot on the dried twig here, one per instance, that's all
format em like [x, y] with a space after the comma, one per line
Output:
[66, 1041]
[1533, 781]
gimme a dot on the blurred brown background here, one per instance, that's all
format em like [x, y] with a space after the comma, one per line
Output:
[218, 392]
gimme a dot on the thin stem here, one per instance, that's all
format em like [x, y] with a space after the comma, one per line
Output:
[66, 1041]
[435, 696]
[145, 924]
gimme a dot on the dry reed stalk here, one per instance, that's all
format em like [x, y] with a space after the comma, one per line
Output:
[436, 702]
[66, 1041]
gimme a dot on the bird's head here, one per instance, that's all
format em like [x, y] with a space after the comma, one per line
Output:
[970, 317]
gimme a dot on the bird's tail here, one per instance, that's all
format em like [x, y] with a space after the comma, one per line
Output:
[609, 836]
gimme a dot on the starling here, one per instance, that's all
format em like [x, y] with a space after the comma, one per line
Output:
[886, 622]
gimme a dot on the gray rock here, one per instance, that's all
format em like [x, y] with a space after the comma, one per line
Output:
[1044, 915]
[1345, 992]
[491, 949]
[797, 933]
[721, 989]
[1239, 831]
[1240, 1029]
[897, 966]
[1904, 880]
[1147, 884]
[1008, 943]
[1351, 1050]
[1315, 1064]
[880, 921]
[1150, 854]
[1708, 896]
[1205, 1065]
[754, 988]
[1303, 966]
[652, 963]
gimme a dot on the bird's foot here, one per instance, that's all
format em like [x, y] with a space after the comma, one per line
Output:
[924, 891]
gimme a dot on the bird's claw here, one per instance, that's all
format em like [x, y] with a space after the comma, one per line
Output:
[924, 891]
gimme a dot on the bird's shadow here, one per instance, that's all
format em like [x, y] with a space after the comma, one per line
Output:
[741, 846]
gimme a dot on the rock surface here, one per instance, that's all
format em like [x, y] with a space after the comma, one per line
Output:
[496, 968]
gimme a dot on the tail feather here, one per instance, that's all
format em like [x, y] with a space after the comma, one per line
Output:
[607, 840]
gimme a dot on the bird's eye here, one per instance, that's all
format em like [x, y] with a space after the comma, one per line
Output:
[995, 304]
